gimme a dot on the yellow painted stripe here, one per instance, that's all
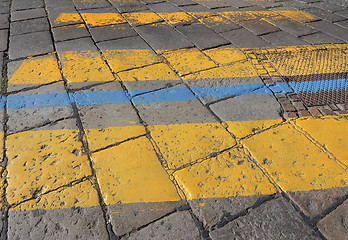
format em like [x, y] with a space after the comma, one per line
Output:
[131, 172]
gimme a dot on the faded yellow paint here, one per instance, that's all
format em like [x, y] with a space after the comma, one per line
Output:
[102, 19]
[131, 172]
[158, 71]
[229, 174]
[184, 143]
[242, 129]
[298, 16]
[78, 195]
[139, 18]
[100, 138]
[125, 59]
[186, 61]
[39, 161]
[85, 66]
[37, 70]
[3, 174]
[214, 20]
[238, 16]
[238, 69]
[68, 18]
[226, 56]
[331, 132]
[294, 162]
[176, 18]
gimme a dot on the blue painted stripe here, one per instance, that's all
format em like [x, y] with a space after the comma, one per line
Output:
[322, 85]
[166, 95]
[100, 98]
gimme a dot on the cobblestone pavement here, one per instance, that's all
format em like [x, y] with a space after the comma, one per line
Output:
[174, 119]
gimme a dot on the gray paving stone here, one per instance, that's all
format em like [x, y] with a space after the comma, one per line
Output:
[141, 87]
[220, 26]
[259, 26]
[27, 14]
[343, 24]
[283, 39]
[211, 211]
[335, 225]
[129, 6]
[29, 26]
[127, 217]
[164, 7]
[80, 44]
[112, 32]
[183, 2]
[124, 43]
[30, 44]
[4, 22]
[315, 202]
[161, 36]
[331, 17]
[343, 13]
[71, 223]
[70, 32]
[159, 111]
[253, 106]
[91, 4]
[26, 4]
[1, 63]
[179, 225]
[275, 219]
[54, 12]
[291, 26]
[192, 9]
[331, 29]
[327, 6]
[269, 4]
[242, 38]
[215, 4]
[3, 39]
[59, 4]
[296, 4]
[24, 118]
[240, 3]
[320, 38]
[5, 7]
[202, 36]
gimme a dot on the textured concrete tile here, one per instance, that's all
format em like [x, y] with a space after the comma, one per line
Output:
[177, 225]
[202, 36]
[112, 32]
[283, 39]
[274, 219]
[331, 29]
[244, 39]
[161, 36]
[343, 24]
[127, 217]
[43, 160]
[81, 4]
[198, 10]
[320, 38]
[226, 54]
[329, 6]
[3, 39]
[334, 225]
[62, 16]
[219, 24]
[142, 18]
[4, 21]
[259, 26]
[29, 26]
[58, 4]
[215, 4]
[69, 32]
[102, 17]
[27, 14]
[331, 17]
[30, 44]
[5, 7]
[315, 202]
[71, 212]
[32, 72]
[26, 4]
[38, 106]
[129, 6]
[183, 3]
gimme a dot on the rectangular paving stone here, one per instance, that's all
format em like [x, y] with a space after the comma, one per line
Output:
[320, 38]
[161, 37]
[62, 16]
[80, 4]
[238, 38]
[4, 21]
[183, 3]
[29, 26]
[74, 210]
[278, 220]
[107, 116]
[112, 32]
[129, 6]
[69, 32]
[36, 107]
[59, 4]
[198, 11]
[102, 17]
[30, 44]
[27, 14]
[283, 39]
[1, 63]
[215, 4]
[202, 36]
[219, 24]
[331, 17]
[259, 26]
[3, 39]
[330, 6]
[142, 18]
[5, 7]
[26, 4]
[331, 29]
[343, 24]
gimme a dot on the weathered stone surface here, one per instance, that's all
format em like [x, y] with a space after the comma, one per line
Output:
[179, 225]
[238, 38]
[112, 32]
[129, 6]
[30, 44]
[91, 4]
[3, 39]
[320, 38]
[128, 217]
[55, 12]
[274, 219]
[331, 29]
[29, 26]
[70, 32]
[26, 4]
[331, 17]
[259, 27]
[28, 14]
[4, 22]
[315, 202]
[211, 211]
[335, 225]
[283, 39]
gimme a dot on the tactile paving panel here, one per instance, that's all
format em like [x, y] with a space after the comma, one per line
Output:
[318, 76]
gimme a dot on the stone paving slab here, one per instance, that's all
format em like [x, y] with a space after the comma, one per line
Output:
[173, 119]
